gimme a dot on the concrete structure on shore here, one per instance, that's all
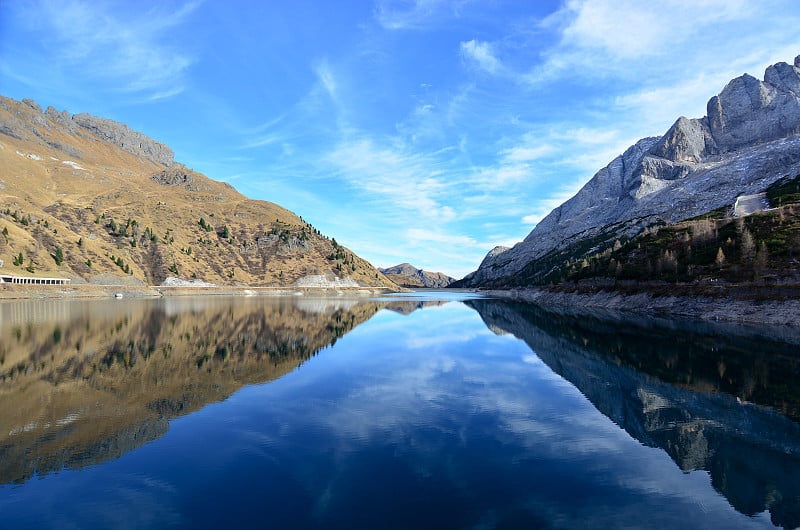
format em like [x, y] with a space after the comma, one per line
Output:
[29, 280]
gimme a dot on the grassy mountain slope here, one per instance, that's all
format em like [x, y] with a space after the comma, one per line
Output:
[73, 204]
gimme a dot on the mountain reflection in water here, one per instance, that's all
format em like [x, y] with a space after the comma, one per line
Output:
[683, 387]
[90, 381]
[446, 412]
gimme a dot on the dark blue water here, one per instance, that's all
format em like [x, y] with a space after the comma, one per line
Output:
[394, 413]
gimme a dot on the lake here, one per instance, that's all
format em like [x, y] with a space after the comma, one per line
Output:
[420, 410]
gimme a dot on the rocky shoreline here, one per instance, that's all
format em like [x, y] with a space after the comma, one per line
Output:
[775, 306]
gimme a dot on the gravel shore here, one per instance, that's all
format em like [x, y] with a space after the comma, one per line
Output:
[738, 306]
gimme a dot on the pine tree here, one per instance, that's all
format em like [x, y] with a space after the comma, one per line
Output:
[748, 245]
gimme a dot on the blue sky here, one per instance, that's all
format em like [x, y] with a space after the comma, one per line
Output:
[425, 131]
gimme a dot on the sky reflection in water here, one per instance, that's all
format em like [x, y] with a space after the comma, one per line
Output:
[414, 419]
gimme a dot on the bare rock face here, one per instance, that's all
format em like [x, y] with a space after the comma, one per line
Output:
[62, 118]
[749, 111]
[496, 251]
[749, 139]
[686, 141]
[26, 121]
[119, 134]
[173, 176]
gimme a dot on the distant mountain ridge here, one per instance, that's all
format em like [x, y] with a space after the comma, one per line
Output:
[749, 139]
[406, 275]
[90, 199]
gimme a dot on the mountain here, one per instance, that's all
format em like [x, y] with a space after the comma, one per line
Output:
[749, 140]
[90, 199]
[406, 275]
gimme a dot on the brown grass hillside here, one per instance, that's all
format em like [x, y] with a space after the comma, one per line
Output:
[75, 204]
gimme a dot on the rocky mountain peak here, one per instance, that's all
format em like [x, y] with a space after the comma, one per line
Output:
[750, 111]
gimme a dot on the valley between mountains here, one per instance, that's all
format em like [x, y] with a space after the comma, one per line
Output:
[709, 209]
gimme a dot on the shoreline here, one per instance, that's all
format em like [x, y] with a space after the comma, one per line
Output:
[770, 305]
[99, 292]
[740, 303]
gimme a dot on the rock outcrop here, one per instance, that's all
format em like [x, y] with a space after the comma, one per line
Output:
[406, 275]
[131, 141]
[24, 126]
[749, 139]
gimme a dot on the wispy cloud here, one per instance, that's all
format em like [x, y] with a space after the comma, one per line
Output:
[410, 181]
[132, 53]
[326, 78]
[263, 140]
[480, 54]
[166, 93]
[627, 39]
[403, 15]
[626, 29]
[525, 153]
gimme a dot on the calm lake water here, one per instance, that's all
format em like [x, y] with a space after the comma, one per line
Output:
[433, 410]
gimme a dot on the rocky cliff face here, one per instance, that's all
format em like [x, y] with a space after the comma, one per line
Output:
[406, 275]
[749, 139]
[21, 124]
[120, 135]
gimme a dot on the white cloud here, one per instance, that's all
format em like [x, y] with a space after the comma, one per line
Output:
[621, 29]
[626, 29]
[481, 54]
[658, 44]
